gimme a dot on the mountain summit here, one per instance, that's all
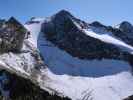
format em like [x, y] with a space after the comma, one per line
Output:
[69, 58]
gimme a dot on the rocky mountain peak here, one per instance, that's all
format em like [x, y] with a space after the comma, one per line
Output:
[125, 26]
[12, 34]
[97, 24]
[69, 47]
[13, 20]
[64, 13]
[66, 33]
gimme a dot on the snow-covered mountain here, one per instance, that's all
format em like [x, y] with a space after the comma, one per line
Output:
[71, 58]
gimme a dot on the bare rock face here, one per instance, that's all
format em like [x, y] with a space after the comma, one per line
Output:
[129, 98]
[126, 27]
[62, 31]
[124, 32]
[12, 34]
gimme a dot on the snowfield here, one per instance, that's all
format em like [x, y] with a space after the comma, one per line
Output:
[34, 29]
[81, 79]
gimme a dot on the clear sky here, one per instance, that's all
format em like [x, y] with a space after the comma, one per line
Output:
[108, 12]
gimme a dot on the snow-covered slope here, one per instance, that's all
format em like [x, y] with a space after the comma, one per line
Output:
[106, 36]
[98, 78]
[84, 79]
[106, 79]
[34, 29]
[109, 39]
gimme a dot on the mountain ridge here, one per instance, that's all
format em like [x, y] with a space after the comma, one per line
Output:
[63, 55]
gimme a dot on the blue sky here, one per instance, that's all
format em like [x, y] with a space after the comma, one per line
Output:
[108, 12]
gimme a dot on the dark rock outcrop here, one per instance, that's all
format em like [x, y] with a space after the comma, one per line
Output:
[23, 89]
[62, 31]
[126, 27]
[124, 32]
[97, 24]
[129, 98]
[12, 35]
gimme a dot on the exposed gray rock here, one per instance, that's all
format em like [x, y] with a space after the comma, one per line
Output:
[12, 35]
[126, 27]
[97, 24]
[62, 32]
[23, 89]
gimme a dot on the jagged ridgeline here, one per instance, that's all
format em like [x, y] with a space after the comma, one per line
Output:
[12, 34]
[65, 31]
[75, 58]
